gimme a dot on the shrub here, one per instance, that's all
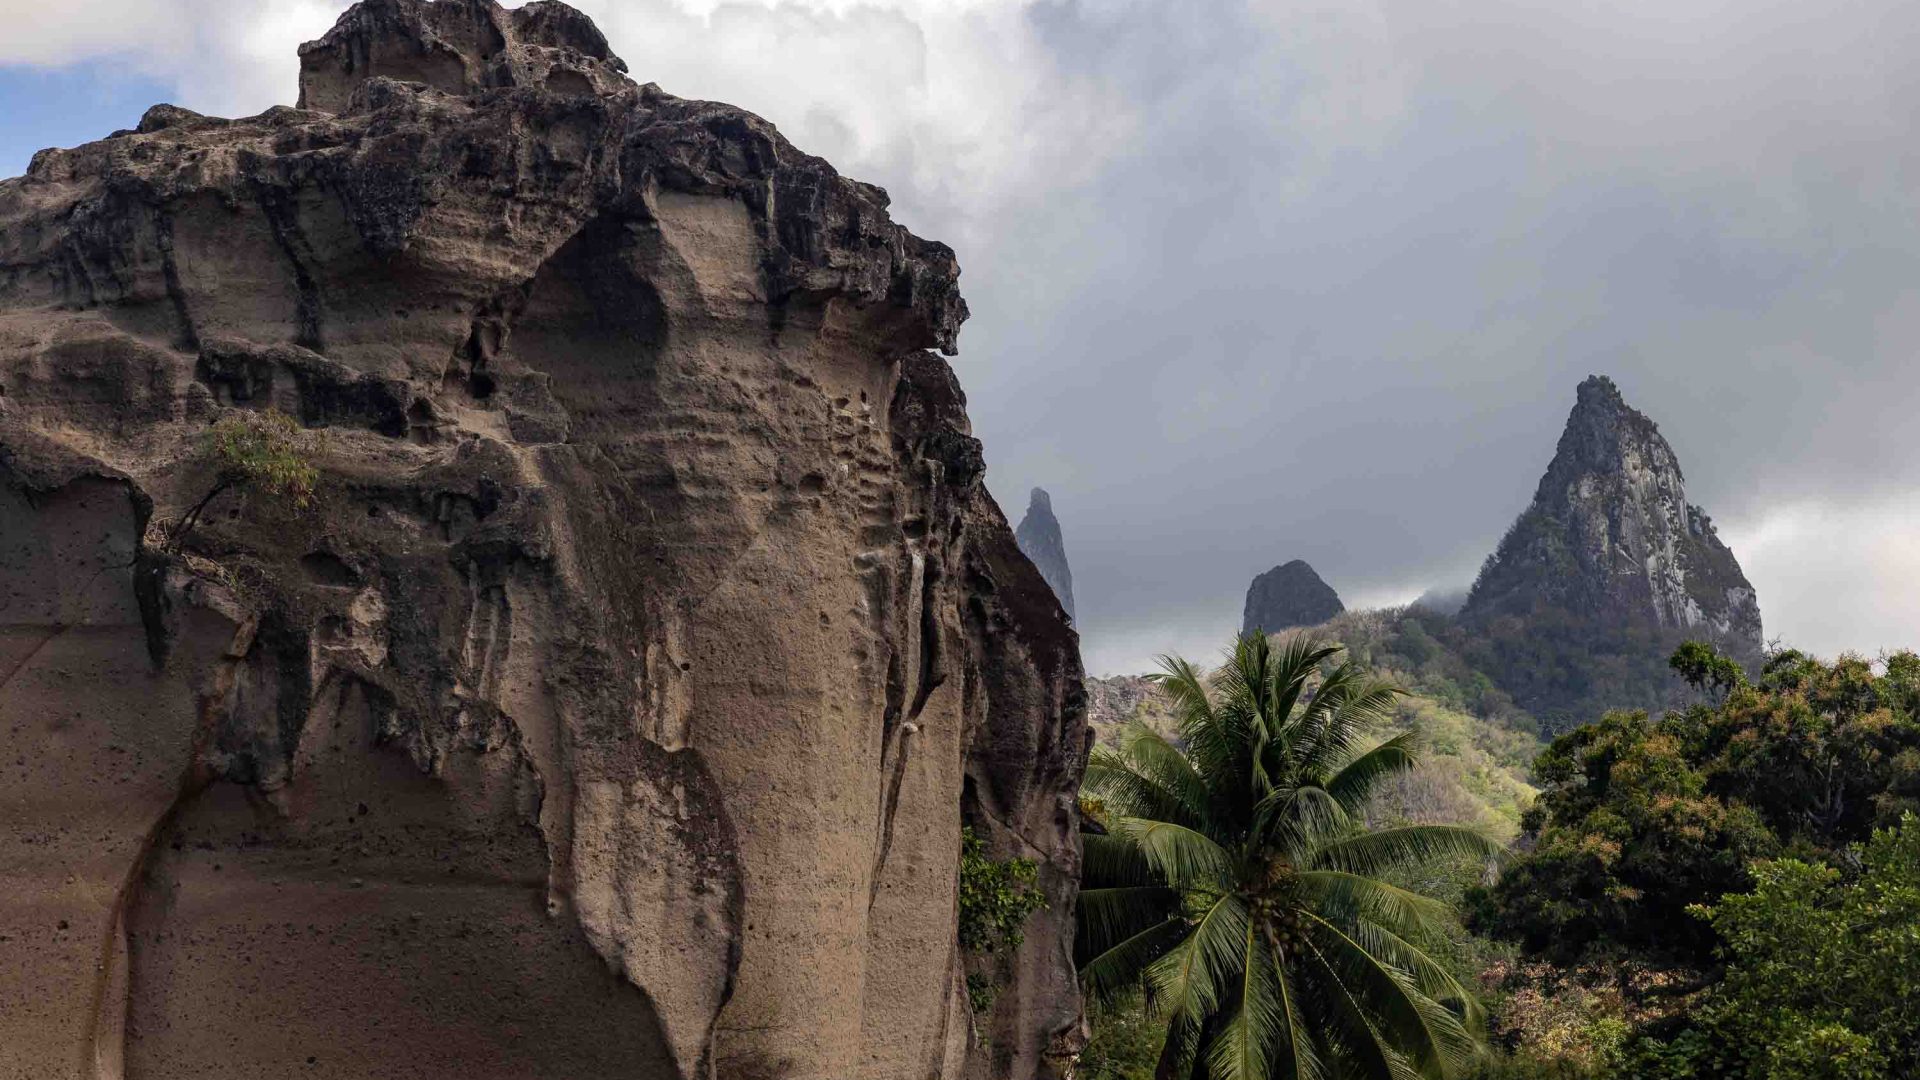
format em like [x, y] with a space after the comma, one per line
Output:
[996, 897]
[266, 450]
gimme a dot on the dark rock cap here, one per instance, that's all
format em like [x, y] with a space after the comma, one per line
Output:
[1289, 595]
[460, 47]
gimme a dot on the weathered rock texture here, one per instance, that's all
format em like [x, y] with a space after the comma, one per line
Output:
[616, 708]
[1287, 596]
[1040, 538]
[1610, 534]
[1113, 701]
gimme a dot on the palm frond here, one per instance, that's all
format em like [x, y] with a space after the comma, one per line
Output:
[1244, 1047]
[1344, 897]
[1124, 965]
[1434, 1040]
[1208, 737]
[1433, 979]
[1111, 861]
[1297, 820]
[1348, 705]
[1153, 757]
[1354, 783]
[1366, 1056]
[1185, 858]
[1112, 776]
[1297, 1051]
[1192, 976]
[1107, 917]
[1376, 853]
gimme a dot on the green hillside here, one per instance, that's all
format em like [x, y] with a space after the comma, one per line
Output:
[1479, 745]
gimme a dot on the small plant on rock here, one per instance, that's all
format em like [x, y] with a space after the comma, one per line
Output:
[996, 898]
[266, 450]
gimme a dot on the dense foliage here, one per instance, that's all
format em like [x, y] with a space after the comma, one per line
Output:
[1720, 848]
[1567, 667]
[1626, 837]
[1241, 888]
[1417, 648]
[996, 896]
[1823, 968]
[1730, 889]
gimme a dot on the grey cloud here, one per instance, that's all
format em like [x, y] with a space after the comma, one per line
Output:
[1263, 280]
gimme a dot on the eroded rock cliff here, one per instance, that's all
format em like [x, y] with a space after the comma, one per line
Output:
[615, 707]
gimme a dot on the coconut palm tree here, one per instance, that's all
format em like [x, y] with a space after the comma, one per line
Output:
[1238, 883]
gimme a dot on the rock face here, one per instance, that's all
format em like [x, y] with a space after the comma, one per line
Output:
[1610, 536]
[1039, 537]
[1286, 596]
[616, 706]
[1116, 700]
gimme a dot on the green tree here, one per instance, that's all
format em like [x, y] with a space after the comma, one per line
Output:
[1625, 835]
[1707, 670]
[1238, 886]
[1823, 752]
[1823, 973]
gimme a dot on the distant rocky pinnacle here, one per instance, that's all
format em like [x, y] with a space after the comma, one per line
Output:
[1610, 537]
[1039, 536]
[615, 706]
[1287, 596]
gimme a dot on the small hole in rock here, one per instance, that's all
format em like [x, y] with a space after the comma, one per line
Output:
[326, 568]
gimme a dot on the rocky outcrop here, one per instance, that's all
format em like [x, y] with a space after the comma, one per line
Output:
[615, 707]
[1610, 535]
[1039, 536]
[1603, 575]
[1287, 596]
[1114, 701]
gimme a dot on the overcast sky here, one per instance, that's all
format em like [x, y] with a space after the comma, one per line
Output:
[1261, 281]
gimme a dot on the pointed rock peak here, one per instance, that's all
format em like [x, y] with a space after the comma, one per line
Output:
[1610, 535]
[460, 47]
[1289, 595]
[1599, 391]
[1040, 538]
[1603, 432]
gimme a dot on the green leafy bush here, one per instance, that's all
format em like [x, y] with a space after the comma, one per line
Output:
[1628, 836]
[1126, 1042]
[268, 450]
[1640, 818]
[1823, 973]
[995, 897]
